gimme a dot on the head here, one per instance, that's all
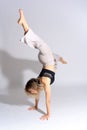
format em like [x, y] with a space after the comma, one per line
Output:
[33, 87]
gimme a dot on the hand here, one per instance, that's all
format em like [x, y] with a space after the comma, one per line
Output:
[33, 108]
[44, 117]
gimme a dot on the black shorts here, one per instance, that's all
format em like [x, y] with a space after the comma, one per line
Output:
[47, 73]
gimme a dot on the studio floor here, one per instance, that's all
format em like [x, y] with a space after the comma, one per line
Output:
[68, 109]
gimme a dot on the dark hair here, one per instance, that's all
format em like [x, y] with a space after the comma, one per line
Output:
[32, 83]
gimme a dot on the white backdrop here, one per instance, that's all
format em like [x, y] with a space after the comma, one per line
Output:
[62, 24]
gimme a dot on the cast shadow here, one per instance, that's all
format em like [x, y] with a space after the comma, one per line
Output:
[12, 69]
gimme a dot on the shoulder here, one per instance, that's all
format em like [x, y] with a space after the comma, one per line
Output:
[45, 80]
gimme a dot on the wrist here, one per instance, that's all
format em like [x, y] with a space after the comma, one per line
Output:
[36, 106]
[48, 114]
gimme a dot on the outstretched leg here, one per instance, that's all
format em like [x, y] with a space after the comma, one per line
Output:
[22, 21]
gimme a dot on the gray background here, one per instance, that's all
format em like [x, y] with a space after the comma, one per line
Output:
[63, 25]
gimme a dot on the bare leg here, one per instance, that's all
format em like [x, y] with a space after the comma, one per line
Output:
[22, 21]
[62, 60]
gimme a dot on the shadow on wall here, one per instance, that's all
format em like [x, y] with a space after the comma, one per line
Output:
[12, 69]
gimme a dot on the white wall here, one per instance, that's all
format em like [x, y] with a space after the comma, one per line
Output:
[61, 23]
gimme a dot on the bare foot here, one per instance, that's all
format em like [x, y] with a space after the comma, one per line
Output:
[62, 60]
[21, 19]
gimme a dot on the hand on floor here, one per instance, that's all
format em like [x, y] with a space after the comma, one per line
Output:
[44, 117]
[33, 108]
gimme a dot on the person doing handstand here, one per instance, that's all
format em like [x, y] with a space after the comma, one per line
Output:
[48, 60]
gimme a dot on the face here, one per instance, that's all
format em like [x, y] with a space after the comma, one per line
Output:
[33, 91]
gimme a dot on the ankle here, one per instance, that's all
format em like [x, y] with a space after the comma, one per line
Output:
[26, 28]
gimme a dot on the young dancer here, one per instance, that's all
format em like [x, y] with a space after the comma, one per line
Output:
[48, 60]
